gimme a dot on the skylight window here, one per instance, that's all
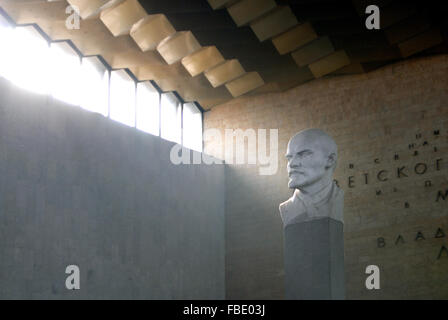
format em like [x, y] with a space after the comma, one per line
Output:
[122, 98]
[3, 22]
[192, 127]
[171, 118]
[148, 108]
[5, 34]
[66, 73]
[30, 61]
[94, 86]
[25, 58]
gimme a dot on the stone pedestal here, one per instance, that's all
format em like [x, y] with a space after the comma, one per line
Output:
[314, 260]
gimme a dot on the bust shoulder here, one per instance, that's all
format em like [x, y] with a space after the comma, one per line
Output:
[297, 209]
[291, 210]
[284, 206]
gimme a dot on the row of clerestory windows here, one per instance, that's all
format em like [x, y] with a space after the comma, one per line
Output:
[31, 61]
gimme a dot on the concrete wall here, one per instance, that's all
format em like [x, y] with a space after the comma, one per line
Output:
[372, 117]
[76, 188]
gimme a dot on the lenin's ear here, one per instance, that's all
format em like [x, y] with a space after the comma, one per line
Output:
[331, 161]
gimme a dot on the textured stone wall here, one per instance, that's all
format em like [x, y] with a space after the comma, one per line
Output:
[76, 188]
[373, 117]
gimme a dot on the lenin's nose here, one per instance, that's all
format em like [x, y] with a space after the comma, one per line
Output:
[294, 164]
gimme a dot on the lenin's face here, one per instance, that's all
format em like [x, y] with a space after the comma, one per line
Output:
[307, 162]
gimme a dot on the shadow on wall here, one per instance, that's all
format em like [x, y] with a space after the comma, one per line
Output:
[254, 237]
[80, 189]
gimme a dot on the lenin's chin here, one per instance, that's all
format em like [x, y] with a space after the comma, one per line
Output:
[294, 183]
[299, 181]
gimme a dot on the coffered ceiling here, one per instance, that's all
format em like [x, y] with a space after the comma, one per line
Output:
[211, 51]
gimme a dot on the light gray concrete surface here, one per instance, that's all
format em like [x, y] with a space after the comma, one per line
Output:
[314, 260]
[76, 188]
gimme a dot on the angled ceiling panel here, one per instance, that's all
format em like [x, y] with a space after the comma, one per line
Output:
[213, 50]
[226, 72]
[245, 11]
[274, 23]
[120, 17]
[151, 30]
[202, 60]
[246, 83]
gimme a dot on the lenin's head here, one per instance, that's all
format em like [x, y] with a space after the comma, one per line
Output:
[312, 158]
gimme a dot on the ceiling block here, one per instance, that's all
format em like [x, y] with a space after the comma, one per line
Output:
[202, 60]
[178, 46]
[250, 81]
[90, 8]
[352, 68]
[396, 12]
[120, 18]
[363, 55]
[246, 11]
[357, 67]
[330, 63]
[218, 4]
[228, 71]
[298, 77]
[274, 23]
[151, 30]
[208, 104]
[420, 42]
[407, 29]
[294, 38]
[313, 51]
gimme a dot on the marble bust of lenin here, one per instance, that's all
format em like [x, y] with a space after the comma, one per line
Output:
[312, 158]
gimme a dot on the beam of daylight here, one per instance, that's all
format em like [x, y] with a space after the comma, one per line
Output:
[29, 61]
